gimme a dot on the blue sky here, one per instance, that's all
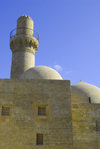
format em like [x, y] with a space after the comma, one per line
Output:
[69, 32]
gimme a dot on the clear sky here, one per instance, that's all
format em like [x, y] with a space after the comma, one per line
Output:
[69, 32]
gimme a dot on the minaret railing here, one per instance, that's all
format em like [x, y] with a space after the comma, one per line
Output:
[13, 33]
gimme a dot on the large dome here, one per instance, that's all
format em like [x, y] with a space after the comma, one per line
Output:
[81, 92]
[41, 72]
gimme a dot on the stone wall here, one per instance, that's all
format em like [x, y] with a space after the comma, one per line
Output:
[19, 129]
[85, 135]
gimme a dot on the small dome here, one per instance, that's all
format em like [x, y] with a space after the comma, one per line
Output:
[41, 72]
[81, 92]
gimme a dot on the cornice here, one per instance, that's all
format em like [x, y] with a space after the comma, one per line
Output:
[22, 41]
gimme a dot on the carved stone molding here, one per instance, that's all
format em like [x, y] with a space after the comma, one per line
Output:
[26, 42]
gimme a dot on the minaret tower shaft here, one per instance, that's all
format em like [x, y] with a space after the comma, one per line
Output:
[23, 45]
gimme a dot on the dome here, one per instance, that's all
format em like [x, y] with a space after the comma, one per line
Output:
[81, 92]
[41, 72]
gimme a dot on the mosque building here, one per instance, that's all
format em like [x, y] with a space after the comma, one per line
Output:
[40, 110]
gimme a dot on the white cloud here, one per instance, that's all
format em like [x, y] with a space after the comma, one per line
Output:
[58, 68]
[63, 72]
[67, 72]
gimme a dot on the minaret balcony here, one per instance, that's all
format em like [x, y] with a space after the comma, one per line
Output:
[24, 37]
[24, 32]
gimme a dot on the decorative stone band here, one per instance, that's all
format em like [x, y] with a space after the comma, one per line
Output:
[24, 43]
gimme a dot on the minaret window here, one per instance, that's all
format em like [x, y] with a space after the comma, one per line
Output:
[39, 139]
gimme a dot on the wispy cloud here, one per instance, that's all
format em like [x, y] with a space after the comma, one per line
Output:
[61, 70]
[58, 68]
[67, 72]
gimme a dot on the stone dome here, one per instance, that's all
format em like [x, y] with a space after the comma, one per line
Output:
[81, 92]
[41, 72]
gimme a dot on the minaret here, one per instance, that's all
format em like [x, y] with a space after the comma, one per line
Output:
[23, 45]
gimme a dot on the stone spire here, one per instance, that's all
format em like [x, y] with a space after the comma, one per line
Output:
[23, 45]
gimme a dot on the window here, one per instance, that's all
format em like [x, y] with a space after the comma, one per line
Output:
[5, 111]
[42, 111]
[89, 99]
[39, 139]
[98, 125]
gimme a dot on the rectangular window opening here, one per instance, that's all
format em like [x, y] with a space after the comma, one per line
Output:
[90, 100]
[5, 111]
[42, 111]
[97, 125]
[39, 140]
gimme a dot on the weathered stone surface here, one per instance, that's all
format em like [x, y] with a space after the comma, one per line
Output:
[84, 126]
[19, 130]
